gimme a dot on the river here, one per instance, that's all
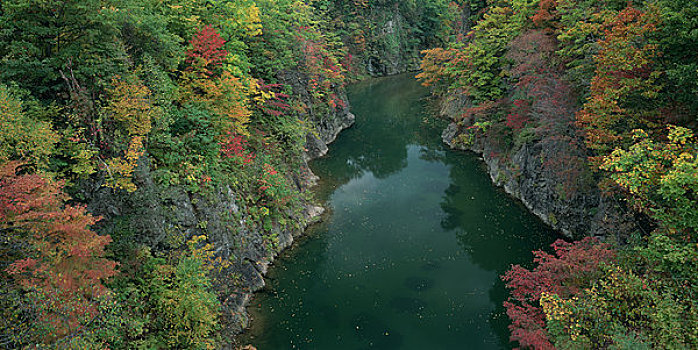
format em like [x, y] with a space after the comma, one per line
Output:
[411, 250]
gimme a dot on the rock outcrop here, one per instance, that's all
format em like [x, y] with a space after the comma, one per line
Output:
[163, 217]
[523, 175]
[391, 54]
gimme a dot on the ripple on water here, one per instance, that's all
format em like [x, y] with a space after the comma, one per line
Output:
[431, 265]
[374, 333]
[418, 284]
[407, 304]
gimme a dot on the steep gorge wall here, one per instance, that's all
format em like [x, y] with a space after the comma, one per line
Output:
[524, 175]
[391, 52]
[164, 217]
[386, 37]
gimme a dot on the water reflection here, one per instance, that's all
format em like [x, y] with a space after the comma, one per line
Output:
[377, 143]
[410, 256]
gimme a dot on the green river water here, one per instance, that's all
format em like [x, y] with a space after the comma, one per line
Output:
[411, 250]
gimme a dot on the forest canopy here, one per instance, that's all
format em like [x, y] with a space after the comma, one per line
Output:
[107, 103]
[609, 89]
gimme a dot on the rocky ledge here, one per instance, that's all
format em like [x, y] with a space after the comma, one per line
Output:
[163, 217]
[524, 175]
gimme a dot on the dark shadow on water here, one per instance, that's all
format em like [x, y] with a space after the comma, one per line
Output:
[377, 143]
[412, 250]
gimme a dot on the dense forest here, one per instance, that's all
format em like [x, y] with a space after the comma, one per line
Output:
[153, 154]
[608, 89]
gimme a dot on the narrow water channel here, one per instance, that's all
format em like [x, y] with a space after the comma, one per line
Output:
[410, 254]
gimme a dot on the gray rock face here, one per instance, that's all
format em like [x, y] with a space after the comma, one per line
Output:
[523, 175]
[164, 217]
[325, 133]
[390, 53]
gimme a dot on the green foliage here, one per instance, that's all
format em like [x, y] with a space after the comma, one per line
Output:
[678, 41]
[625, 82]
[117, 85]
[166, 304]
[143, 28]
[477, 66]
[40, 39]
[643, 300]
[620, 310]
[187, 309]
[633, 67]
[22, 135]
[580, 29]
[378, 33]
[661, 178]
[273, 187]
[277, 48]
[673, 263]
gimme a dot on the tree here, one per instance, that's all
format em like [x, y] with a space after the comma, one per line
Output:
[624, 74]
[130, 112]
[21, 136]
[677, 37]
[39, 39]
[63, 269]
[660, 178]
[207, 53]
[433, 72]
[573, 267]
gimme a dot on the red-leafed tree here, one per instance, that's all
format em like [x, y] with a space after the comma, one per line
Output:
[547, 103]
[573, 267]
[235, 147]
[206, 49]
[624, 71]
[323, 65]
[546, 15]
[63, 268]
[518, 116]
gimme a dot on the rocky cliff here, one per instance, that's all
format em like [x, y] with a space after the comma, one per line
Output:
[163, 217]
[386, 37]
[391, 53]
[525, 174]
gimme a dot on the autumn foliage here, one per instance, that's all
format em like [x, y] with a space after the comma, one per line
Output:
[236, 147]
[624, 69]
[21, 136]
[325, 70]
[546, 14]
[573, 267]
[660, 179]
[65, 265]
[597, 90]
[433, 66]
[206, 49]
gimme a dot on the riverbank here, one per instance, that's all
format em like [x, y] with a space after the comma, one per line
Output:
[549, 177]
[254, 254]
[410, 254]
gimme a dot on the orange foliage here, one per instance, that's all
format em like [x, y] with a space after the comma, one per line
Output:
[226, 98]
[546, 15]
[623, 68]
[67, 264]
[433, 65]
